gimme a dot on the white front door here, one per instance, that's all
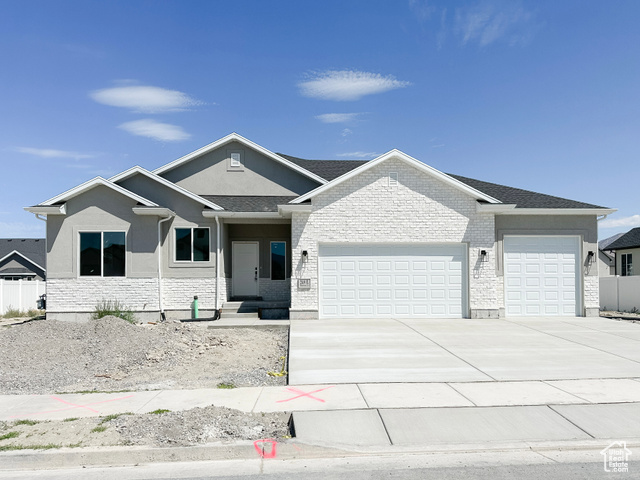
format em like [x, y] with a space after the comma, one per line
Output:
[245, 269]
[541, 276]
[387, 280]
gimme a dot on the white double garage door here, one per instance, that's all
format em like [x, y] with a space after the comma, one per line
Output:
[431, 281]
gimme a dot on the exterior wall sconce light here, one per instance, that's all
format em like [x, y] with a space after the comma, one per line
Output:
[590, 256]
[484, 256]
[305, 256]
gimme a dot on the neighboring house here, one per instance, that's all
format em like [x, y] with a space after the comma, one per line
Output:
[23, 259]
[390, 237]
[626, 250]
[606, 259]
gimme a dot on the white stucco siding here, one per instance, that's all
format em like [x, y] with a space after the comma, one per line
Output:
[419, 209]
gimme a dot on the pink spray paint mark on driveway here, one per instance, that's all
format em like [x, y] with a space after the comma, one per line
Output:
[72, 406]
[304, 394]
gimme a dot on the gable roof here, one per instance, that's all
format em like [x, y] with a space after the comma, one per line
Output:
[603, 244]
[397, 154]
[33, 250]
[250, 203]
[234, 137]
[631, 239]
[94, 182]
[332, 169]
[137, 170]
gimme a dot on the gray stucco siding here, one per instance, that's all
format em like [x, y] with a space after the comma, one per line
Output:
[101, 210]
[210, 175]
[264, 234]
[584, 226]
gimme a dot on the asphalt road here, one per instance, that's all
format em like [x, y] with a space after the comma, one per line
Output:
[496, 465]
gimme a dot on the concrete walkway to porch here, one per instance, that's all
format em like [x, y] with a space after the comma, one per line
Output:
[462, 350]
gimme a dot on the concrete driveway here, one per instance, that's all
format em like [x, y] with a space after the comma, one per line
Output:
[464, 350]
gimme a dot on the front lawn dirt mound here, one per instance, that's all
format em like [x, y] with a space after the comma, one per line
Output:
[111, 354]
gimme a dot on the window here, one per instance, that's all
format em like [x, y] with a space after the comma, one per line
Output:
[235, 160]
[192, 245]
[627, 265]
[393, 179]
[102, 254]
[278, 260]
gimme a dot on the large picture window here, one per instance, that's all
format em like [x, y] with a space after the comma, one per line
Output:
[192, 245]
[102, 254]
[627, 264]
[278, 260]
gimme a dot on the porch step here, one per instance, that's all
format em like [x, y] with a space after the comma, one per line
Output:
[249, 308]
[232, 314]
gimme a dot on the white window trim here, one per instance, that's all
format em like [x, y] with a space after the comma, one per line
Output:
[625, 272]
[230, 166]
[393, 179]
[175, 245]
[285, 260]
[101, 232]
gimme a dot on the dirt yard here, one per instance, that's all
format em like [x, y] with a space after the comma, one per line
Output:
[166, 429]
[110, 354]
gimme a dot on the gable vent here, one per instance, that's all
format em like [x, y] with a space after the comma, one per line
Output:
[393, 179]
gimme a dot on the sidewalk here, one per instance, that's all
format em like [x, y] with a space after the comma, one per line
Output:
[338, 420]
[302, 398]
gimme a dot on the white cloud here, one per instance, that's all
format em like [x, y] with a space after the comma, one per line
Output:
[51, 153]
[144, 98]
[359, 154]
[345, 85]
[632, 221]
[346, 132]
[337, 117]
[22, 230]
[488, 22]
[158, 131]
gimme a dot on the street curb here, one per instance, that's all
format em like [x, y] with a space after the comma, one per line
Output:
[250, 451]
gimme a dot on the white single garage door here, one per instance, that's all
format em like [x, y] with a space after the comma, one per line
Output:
[541, 276]
[367, 281]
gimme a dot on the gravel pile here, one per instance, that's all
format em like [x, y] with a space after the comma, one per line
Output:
[189, 427]
[111, 354]
[199, 425]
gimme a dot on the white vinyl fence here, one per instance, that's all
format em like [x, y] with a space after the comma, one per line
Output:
[20, 294]
[620, 293]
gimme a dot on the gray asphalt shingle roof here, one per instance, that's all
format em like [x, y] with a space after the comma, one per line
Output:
[249, 203]
[35, 249]
[331, 169]
[631, 239]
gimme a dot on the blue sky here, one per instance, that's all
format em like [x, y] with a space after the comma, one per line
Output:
[540, 95]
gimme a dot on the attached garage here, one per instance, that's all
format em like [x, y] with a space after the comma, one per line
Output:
[542, 276]
[385, 280]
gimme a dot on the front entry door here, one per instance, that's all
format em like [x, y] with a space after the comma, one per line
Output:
[245, 269]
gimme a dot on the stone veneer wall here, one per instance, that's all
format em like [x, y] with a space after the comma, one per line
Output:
[81, 295]
[420, 209]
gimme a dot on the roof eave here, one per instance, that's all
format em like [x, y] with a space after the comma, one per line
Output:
[238, 138]
[556, 211]
[47, 209]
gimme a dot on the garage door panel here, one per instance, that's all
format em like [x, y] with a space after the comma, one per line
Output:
[541, 275]
[383, 280]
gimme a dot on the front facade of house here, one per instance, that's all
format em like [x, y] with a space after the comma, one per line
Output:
[391, 237]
